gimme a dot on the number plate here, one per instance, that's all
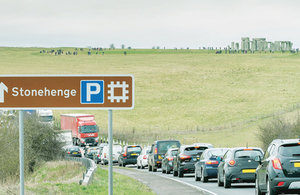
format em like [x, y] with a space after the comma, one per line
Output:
[134, 154]
[74, 152]
[296, 164]
[248, 171]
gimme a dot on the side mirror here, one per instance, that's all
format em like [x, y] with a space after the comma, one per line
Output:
[119, 152]
[257, 159]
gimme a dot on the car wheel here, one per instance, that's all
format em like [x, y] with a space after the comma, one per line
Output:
[180, 173]
[269, 190]
[175, 173]
[196, 177]
[168, 171]
[154, 169]
[220, 183]
[257, 190]
[227, 183]
[138, 167]
[162, 170]
[123, 164]
[203, 178]
[149, 167]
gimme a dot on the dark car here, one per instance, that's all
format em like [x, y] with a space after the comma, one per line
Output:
[279, 170]
[74, 151]
[158, 151]
[206, 167]
[238, 166]
[186, 158]
[129, 155]
[90, 152]
[167, 162]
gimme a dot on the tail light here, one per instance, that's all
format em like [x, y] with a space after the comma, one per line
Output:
[280, 183]
[145, 157]
[276, 164]
[104, 155]
[98, 155]
[212, 162]
[155, 151]
[170, 158]
[125, 153]
[232, 162]
[182, 156]
[79, 151]
[69, 153]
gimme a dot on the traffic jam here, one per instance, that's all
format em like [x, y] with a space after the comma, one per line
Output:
[240, 170]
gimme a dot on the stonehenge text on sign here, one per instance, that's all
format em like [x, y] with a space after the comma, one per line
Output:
[67, 91]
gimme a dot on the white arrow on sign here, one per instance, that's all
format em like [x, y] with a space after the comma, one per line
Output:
[2, 89]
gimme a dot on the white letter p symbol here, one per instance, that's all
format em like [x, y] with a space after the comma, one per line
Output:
[89, 91]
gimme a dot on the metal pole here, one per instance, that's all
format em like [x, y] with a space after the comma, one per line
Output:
[21, 150]
[110, 163]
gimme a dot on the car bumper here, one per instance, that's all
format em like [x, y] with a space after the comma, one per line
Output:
[130, 161]
[242, 177]
[291, 185]
[187, 168]
[210, 172]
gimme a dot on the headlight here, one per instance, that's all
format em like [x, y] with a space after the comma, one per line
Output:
[97, 139]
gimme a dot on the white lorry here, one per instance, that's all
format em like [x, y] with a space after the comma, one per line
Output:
[45, 117]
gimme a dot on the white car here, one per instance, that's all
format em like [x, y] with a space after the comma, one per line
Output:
[105, 156]
[142, 160]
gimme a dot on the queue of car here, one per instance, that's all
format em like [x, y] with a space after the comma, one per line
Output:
[275, 171]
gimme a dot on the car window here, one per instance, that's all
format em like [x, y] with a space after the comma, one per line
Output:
[289, 150]
[247, 153]
[215, 153]
[194, 150]
[268, 152]
[164, 146]
[134, 149]
[73, 149]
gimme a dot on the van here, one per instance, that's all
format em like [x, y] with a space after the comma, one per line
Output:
[105, 154]
[158, 151]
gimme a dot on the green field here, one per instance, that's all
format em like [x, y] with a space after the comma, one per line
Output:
[220, 99]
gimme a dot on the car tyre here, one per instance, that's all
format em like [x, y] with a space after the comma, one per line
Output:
[149, 167]
[203, 178]
[257, 190]
[269, 190]
[227, 183]
[180, 173]
[220, 183]
[154, 169]
[196, 177]
[162, 170]
[123, 164]
[175, 173]
[138, 167]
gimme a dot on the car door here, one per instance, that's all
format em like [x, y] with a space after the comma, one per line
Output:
[199, 165]
[222, 164]
[262, 168]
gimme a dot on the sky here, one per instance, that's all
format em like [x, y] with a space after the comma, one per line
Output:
[144, 24]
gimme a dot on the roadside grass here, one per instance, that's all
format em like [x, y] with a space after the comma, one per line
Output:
[63, 177]
[180, 90]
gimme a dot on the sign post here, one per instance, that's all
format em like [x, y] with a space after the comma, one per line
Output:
[85, 92]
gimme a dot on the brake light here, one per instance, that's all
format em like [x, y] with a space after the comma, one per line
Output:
[79, 151]
[155, 151]
[98, 155]
[212, 162]
[104, 155]
[247, 149]
[182, 156]
[276, 164]
[69, 153]
[125, 153]
[145, 157]
[232, 162]
[280, 183]
[170, 158]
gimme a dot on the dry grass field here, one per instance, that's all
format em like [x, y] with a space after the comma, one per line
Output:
[216, 98]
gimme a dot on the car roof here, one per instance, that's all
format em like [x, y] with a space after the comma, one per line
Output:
[286, 141]
[241, 148]
[166, 140]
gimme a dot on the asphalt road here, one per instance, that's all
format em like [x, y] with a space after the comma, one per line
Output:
[168, 184]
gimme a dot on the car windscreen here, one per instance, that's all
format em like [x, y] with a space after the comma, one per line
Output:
[247, 153]
[215, 153]
[92, 150]
[134, 149]
[194, 150]
[73, 149]
[164, 146]
[290, 150]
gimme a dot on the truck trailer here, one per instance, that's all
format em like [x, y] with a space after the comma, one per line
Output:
[83, 126]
